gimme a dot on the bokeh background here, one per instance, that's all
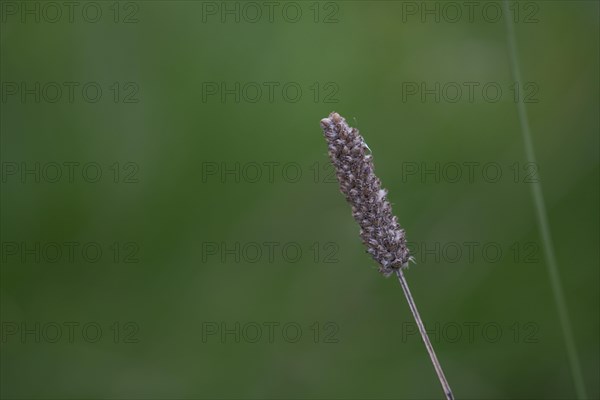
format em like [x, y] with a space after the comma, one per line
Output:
[179, 210]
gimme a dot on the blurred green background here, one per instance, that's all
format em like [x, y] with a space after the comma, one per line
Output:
[178, 192]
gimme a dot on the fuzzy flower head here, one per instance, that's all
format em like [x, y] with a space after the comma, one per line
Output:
[379, 228]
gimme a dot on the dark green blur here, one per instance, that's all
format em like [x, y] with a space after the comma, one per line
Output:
[208, 192]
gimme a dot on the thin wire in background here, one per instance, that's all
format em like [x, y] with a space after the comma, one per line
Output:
[542, 221]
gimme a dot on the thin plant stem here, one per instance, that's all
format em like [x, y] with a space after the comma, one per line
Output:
[379, 228]
[542, 222]
[415, 313]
